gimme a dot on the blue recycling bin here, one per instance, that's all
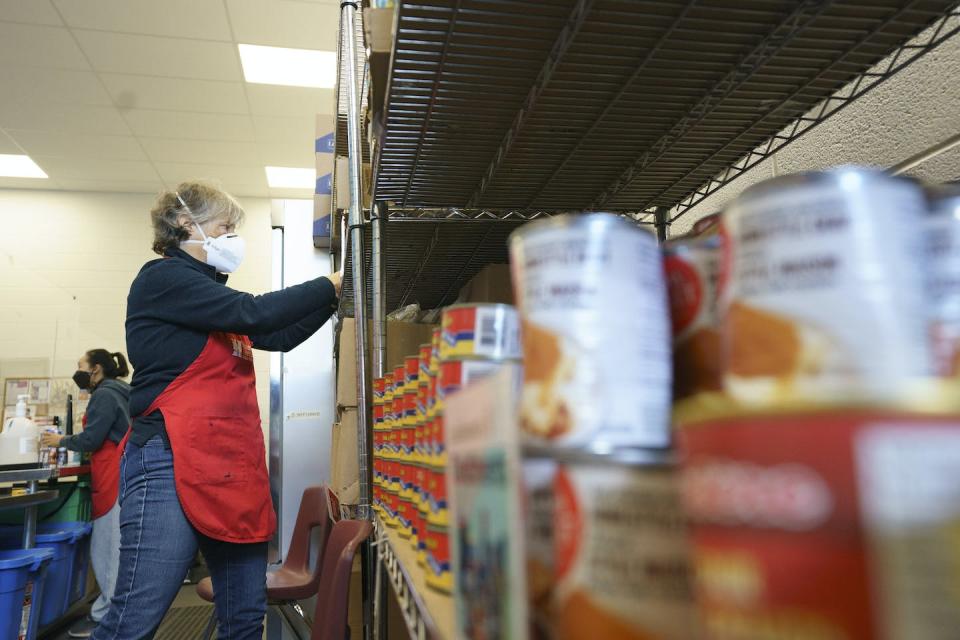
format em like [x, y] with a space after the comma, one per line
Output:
[80, 566]
[67, 572]
[23, 579]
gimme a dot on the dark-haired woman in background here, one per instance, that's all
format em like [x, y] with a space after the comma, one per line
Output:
[105, 424]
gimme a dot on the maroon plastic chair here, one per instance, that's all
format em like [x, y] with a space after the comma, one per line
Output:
[295, 580]
[333, 597]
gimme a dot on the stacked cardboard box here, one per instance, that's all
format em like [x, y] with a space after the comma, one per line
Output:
[491, 284]
[322, 205]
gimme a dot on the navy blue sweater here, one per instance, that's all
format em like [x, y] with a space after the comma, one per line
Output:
[177, 301]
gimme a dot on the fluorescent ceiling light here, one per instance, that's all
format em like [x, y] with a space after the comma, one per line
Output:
[17, 166]
[294, 67]
[291, 177]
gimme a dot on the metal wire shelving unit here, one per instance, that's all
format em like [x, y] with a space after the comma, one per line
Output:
[500, 112]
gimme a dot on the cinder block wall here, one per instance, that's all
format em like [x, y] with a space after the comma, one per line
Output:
[902, 117]
[66, 263]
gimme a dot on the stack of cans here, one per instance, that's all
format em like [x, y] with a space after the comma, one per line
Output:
[475, 341]
[379, 421]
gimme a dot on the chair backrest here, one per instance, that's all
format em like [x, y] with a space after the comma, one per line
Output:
[314, 513]
[333, 596]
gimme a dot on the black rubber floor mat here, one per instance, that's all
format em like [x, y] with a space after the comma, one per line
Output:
[185, 623]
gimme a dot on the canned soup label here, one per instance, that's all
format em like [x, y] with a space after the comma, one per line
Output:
[909, 481]
[596, 335]
[622, 556]
[483, 330]
[826, 293]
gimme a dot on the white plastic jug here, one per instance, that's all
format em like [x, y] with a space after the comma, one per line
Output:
[19, 440]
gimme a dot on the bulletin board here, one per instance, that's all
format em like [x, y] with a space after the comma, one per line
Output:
[46, 397]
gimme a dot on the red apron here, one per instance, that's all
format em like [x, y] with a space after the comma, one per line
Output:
[105, 474]
[219, 460]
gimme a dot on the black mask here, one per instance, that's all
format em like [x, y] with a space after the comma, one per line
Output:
[82, 379]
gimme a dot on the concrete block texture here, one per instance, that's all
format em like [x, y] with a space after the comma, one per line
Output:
[911, 112]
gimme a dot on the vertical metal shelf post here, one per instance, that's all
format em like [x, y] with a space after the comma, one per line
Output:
[378, 221]
[348, 18]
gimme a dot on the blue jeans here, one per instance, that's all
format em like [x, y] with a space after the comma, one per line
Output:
[157, 548]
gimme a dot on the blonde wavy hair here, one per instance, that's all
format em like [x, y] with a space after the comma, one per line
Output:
[206, 202]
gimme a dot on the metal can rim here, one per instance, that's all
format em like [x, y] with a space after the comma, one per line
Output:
[826, 176]
[479, 305]
[622, 456]
[573, 220]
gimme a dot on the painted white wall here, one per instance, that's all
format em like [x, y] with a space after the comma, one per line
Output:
[902, 117]
[66, 263]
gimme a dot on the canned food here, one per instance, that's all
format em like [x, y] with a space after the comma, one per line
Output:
[426, 353]
[458, 373]
[438, 559]
[621, 551]
[825, 300]
[379, 387]
[437, 513]
[841, 526]
[593, 309]
[438, 441]
[692, 267]
[942, 241]
[387, 388]
[435, 351]
[539, 477]
[399, 380]
[412, 373]
[480, 330]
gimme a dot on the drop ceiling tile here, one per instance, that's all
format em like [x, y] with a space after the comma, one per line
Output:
[274, 100]
[287, 154]
[248, 191]
[32, 11]
[175, 94]
[24, 45]
[228, 176]
[117, 186]
[64, 118]
[201, 19]
[275, 129]
[214, 152]
[46, 143]
[86, 168]
[283, 23]
[191, 126]
[156, 56]
[7, 144]
[54, 85]
[27, 183]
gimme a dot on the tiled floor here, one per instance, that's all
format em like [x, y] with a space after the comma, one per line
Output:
[186, 598]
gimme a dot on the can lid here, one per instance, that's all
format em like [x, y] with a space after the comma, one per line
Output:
[597, 454]
[480, 305]
[593, 220]
[838, 175]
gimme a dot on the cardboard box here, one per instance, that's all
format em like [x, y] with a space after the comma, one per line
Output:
[342, 192]
[378, 24]
[403, 339]
[323, 150]
[344, 463]
[492, 284]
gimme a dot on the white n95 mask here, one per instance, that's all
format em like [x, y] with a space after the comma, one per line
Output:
[224, 253]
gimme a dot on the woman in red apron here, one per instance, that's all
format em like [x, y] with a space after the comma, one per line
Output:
[105, 424]
[193, 474]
